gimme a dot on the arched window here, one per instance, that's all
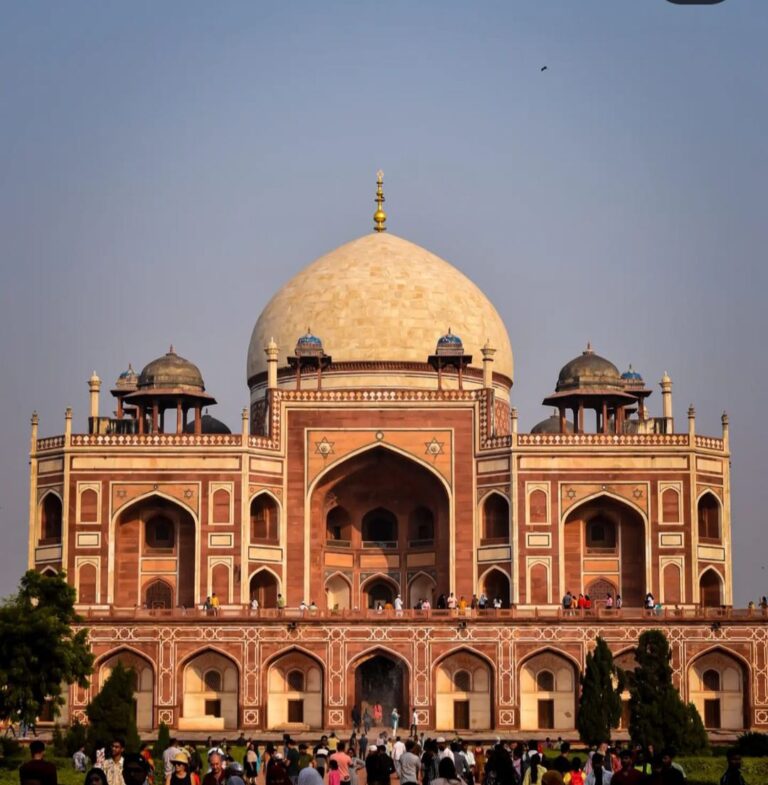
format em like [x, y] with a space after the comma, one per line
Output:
[545, 681]
[338, 527]
[89, 501]
[380, 526]
[50, 524]
[296, 681]
[159, 595]
[601, 533]
[212, 681]
[264, 519]
[711, 680]
[537, 507]
[710, 589]
[496, 584]
[599, 590]
[496, 518]
[421, 525]
[709, 517]
[462, 681]
[264, 589]
[379, 593]
[221, 506]
[670, 506]
[159, 532]
[86, 584]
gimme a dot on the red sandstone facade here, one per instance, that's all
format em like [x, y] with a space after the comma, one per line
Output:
[345, 494]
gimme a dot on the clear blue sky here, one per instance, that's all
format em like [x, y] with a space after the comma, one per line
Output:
[164, 167]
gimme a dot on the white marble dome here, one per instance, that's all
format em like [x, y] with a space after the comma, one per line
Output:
[380, 298]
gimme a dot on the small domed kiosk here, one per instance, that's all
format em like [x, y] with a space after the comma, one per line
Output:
[169, 382]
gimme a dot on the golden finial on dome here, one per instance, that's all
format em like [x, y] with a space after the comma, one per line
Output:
[379, 217]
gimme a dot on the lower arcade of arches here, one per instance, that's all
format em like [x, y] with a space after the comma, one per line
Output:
[515, 677]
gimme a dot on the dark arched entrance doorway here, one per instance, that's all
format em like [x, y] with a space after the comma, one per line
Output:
[383, 680]
[379, 592]
[605, 544]
[380, 508]
[155, 540]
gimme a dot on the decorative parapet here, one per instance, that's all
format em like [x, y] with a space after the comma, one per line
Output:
[710, 443]
[604, 440]
[157, 440]
[50, 443]
[379, 395]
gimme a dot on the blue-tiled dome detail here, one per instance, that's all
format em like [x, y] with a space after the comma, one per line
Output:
[449, 340]
[630, 375]
[309, 341]
[449, 344]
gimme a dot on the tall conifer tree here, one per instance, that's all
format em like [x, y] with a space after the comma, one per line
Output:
[658, 715]
[600, 701]
[112, 714]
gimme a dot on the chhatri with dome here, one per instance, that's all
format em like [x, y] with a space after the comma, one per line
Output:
[376, 527]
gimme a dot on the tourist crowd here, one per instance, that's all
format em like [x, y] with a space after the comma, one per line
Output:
[413, 761]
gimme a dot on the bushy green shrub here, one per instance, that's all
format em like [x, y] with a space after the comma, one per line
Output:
[708, 770]
[753, 744]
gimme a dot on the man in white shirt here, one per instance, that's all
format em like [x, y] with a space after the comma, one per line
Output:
[399, 605]
[398, 748]
[444, 751]
[410, 765]
[168, 755]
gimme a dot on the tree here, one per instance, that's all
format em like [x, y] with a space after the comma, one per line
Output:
[658, 715]
[163, 740]
[40, 653]
[600, 700]
[111, 714]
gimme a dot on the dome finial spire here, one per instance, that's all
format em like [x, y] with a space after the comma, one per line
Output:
[379, 217]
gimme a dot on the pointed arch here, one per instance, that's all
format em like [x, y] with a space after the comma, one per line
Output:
[709, 511]
[723, 702]
[670, 505]
[380, 525]
[495, 518]
[551, 650]
[500, 587]
[608, 495]
[338, 591]
[265, 514]
[711, 588]
[192, 560]
[457, 708]
[148, 495]
[463, 648]
[202, 703]
[421, 587]
[542, 708]
[208, 648]
[538, 581]
[51, 517]
[380, 446]
[632, 546]
[376, 651]
[294, 648]
[287, 700]
[145, 680]
[264, 584]
[371, 581]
